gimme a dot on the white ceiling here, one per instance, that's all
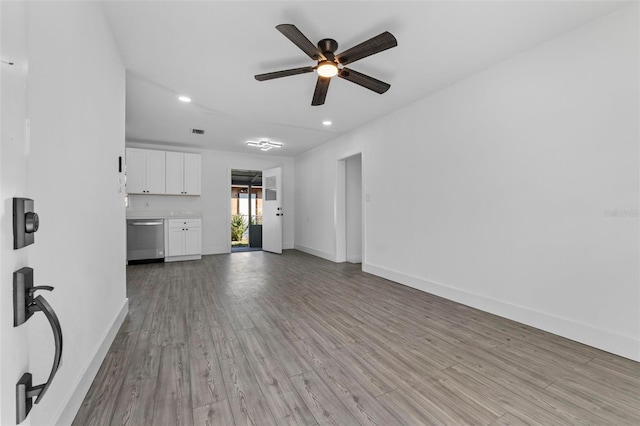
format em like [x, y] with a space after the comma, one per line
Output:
[210, 51]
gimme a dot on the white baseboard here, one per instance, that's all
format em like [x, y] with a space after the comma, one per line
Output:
[227, 249]
[314, 252]
[181, 258]
[354, 259]
[625, 346]
[216, 249]
[74, 400]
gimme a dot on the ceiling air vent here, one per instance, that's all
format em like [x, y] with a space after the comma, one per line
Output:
[197, 131]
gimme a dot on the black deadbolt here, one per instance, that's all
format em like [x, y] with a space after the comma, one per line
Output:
[25, 222]
[31, 222]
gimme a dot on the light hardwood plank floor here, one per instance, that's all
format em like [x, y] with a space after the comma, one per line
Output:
[257, 338]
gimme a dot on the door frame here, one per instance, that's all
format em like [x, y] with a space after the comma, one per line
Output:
[340, 211]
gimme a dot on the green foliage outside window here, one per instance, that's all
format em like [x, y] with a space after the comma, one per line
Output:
[238, 227]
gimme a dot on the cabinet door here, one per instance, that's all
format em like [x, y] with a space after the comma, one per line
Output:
[176, 242]
[155, 172]
[136, 170]
[192, 241]
[192, 177]
[174, 173]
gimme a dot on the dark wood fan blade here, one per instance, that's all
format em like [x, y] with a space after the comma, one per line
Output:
[291, 32]
[364, 80]
[321, 90]
[374, 45]
[284, 73]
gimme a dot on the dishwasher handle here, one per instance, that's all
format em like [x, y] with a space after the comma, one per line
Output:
[145, 223]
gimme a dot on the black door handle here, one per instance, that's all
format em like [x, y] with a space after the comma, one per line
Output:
[39, 287]
[41, 304]
[25, 392]
[25, 305]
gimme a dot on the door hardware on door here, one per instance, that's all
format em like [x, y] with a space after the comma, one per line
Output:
[25, 222]
[24, 306]
[23, 290]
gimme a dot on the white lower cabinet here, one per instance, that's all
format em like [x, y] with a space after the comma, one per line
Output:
[184, 239]
[192, 244]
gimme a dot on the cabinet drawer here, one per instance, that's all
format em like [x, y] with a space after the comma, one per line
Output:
[184, 223]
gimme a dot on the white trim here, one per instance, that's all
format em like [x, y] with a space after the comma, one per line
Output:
[74, 400]
[340, 211]
[217, 249]
[181, 258]
[314, 252]
[606, 340]
[354, 259]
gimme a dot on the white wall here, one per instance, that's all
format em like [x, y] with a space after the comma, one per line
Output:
[214, 203]
[77, 111]
[519, 167]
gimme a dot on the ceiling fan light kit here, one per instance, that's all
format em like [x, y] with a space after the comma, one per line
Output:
[264, 145]
[330, 64]
[327, 69]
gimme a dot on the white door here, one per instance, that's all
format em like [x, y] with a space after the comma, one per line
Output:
[272, 210]
[14, 145]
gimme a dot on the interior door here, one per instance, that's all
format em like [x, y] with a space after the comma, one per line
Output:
[272, 210]
[14, 161]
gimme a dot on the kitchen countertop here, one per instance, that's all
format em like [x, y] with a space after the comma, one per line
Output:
[150, 214]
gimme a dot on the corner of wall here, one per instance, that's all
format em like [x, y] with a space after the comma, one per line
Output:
[315, 252]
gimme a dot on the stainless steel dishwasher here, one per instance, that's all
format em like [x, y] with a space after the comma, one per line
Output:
[145, 240]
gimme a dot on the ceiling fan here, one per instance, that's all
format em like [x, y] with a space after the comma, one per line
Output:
[331, 64]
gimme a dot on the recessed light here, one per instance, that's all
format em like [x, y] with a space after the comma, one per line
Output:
[326, 123]
[184, 98]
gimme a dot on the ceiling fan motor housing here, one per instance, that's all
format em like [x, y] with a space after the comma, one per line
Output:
[328, 46]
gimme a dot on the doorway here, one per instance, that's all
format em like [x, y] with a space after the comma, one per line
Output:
[350, 217]
[246, 210]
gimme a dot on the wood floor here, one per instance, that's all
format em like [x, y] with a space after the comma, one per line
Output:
[257, 338]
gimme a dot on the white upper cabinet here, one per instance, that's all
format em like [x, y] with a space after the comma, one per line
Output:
[155, 172]
[145, 171]
[163, 172]
[136, 171]
[175, 173]
[192, 173]
[183, 173]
